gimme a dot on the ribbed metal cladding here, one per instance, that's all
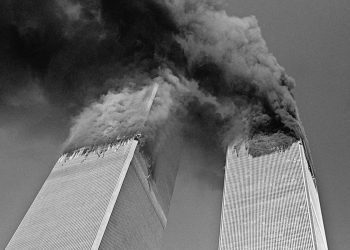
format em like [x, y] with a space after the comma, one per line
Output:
[136, 222]
[266, 204]
[315, 207]
[70, 207]
[102, 200]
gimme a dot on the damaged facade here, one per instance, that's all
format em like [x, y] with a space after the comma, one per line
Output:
[270, 201]
[100, 196]
[138, 76]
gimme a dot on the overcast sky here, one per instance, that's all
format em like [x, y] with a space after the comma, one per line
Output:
[309, 38]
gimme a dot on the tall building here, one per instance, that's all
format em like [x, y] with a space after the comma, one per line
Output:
[102, 198]
[270, 202]
[114, 197]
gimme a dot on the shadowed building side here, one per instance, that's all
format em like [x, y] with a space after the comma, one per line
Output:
[100, 197]
[100, 200]
[270, 202]
[138, 219]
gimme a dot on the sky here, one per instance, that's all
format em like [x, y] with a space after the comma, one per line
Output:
[309, 38]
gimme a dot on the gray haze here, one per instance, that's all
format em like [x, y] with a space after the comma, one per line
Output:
[310, 39]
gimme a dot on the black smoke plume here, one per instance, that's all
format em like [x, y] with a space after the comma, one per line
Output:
[96, 59]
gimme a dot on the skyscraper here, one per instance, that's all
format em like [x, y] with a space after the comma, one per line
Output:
[107, 199]
[270, 202]
[100, 197]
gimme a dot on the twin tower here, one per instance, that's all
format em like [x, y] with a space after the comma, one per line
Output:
[109, 199]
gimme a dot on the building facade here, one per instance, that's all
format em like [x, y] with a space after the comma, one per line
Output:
[270, 202]
[103, 197]
[113, 197]
[100, 200]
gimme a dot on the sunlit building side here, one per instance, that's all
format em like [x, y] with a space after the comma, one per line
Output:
[270, 202]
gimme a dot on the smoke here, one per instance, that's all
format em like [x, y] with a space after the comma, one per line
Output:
[98, 61]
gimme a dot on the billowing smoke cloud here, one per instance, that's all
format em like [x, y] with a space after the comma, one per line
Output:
[98, 59]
